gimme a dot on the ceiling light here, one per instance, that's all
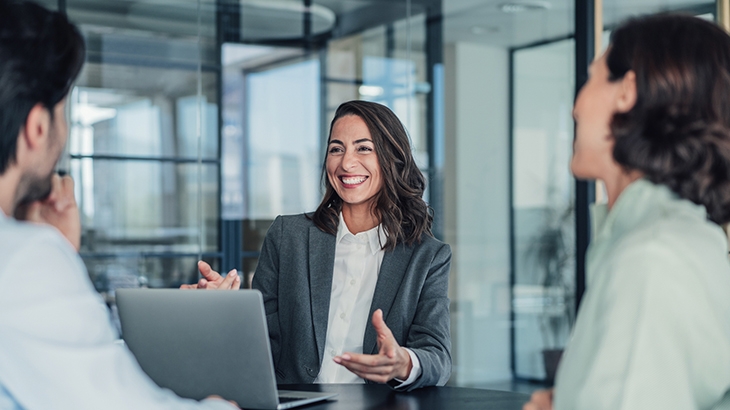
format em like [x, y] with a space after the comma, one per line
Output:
[371, 90]
[521, 6]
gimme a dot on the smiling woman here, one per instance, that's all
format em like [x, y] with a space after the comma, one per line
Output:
[357, 291]
[363, 136]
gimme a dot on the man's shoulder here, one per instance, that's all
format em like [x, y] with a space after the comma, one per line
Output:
[18, 239]
[15, 235]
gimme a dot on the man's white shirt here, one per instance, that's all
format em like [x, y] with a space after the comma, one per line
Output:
[357, 263]
[57, 344]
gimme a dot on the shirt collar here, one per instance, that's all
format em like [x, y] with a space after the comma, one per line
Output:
[376, 237]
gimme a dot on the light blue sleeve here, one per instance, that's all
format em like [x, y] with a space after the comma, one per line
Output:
[57, 347]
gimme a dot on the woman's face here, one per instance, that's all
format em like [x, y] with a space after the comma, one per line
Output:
[353, 169]
[597, 102]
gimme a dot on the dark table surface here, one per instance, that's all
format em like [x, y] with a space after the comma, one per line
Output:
[382, 397]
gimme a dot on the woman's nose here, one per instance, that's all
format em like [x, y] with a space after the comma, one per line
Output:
[349, 161]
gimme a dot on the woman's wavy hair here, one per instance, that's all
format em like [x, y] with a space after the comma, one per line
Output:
[678, 133]
[399, 205]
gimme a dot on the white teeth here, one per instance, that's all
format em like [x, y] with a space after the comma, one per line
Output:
[353, 180]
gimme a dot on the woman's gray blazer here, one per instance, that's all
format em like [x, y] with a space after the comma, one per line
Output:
[294, 274]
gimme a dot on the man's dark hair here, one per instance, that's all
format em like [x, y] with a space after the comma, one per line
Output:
[678, 133]
[399, 205]
[41, 54]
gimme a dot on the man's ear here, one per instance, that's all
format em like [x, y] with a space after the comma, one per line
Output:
[627, 93]
[37, 127]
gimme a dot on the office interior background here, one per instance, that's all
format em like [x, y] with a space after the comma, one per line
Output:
[196, 122]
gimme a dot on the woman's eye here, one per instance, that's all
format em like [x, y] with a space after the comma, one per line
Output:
[334, 150]
[364, 148]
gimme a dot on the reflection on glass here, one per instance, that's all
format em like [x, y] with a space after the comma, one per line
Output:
[544, 223]
[143, 140]
[145, 206]
[113, 119]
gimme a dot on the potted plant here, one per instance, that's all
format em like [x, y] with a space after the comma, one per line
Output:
[553, 255]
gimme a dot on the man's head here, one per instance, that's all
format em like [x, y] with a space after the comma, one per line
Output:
[41, 54]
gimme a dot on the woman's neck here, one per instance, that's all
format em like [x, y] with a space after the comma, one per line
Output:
[359, 218]
[615, 185]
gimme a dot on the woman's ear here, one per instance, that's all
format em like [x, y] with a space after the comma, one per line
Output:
[627, 93]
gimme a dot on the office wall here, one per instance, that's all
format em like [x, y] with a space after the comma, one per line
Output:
[476, 189]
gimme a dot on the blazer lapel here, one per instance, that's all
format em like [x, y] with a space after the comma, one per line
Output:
[321, 266]
[392, 272]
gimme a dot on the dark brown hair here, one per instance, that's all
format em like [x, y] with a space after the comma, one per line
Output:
[41, 54]
[399, 205]
[678, 133]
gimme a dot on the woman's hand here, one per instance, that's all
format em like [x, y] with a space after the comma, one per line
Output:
[59, 210]
[213, 280]
[540, 400]
[392, 361]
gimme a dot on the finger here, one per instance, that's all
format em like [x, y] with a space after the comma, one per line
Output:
[202, 284]
[379, 324]
[386, 342]
[65, 197]
[208, 272]
[55, 188]
[230, 278]
[236, 282]
[185, 286]
[373, 377]
[366, 359]
[385, 370]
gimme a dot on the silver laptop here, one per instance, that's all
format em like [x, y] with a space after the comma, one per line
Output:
[199, 343]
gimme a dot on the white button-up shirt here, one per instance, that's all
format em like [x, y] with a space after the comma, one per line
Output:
[357, 263]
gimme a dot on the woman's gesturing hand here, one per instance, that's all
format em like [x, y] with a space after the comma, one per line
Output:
[392, 360]
[213, 280]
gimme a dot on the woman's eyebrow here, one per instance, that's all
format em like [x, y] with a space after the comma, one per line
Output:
[363, 140]
[335, 142]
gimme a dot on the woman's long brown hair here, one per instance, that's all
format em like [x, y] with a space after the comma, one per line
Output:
[399, 206]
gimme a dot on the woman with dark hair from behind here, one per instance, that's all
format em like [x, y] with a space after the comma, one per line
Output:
[653, 123]
[357, 291]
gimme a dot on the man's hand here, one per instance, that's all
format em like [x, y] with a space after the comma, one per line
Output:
[540, 400]
[213, 280]
[216, 397]
[58, 210]
[392, 361]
